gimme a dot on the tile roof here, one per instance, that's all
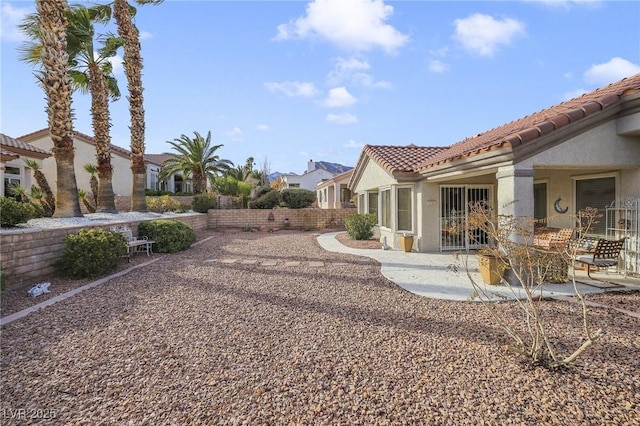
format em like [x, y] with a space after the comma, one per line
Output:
[77, 134]
[9, 142]
[538, 124]
[158, 158]
[401, 158]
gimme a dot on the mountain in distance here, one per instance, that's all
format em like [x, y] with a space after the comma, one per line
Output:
[334, 168]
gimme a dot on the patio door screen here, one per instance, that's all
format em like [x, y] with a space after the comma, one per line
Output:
[454, 209]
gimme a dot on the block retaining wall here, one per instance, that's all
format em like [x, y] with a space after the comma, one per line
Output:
[302, 219]
[27, 256]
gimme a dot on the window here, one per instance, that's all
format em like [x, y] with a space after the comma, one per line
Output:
[373, 203]
[597, 193]
[320, 196]
[404, 209]
[539, 200]
[361, 203]
[12, 177]
[294, 185]
[385, 220]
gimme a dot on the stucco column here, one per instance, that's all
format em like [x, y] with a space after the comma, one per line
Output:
[336, 196]
[515, 193]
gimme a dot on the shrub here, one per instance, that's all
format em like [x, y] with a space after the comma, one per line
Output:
[91, 253]
[15, 212]
[266, 201]
[202, 203]
[298, 198]
[156, 193]
[360, 226]
[162, 204]
[169, 235]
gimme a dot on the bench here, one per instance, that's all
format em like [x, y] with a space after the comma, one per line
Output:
[552, 238]
[135, 244]
[550, 244]
[606, 254]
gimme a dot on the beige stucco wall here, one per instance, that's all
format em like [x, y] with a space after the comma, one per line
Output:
[85, 153]
[373, 177]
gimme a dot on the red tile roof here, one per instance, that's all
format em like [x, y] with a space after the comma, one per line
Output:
[538, 124]
[158, 158]
[400, 158]
[9, 142]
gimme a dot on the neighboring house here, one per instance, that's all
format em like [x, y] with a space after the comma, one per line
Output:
[333, 193]
[316, 171]
[175, 184]
[584, 152]
[14, 169]
[85, 152]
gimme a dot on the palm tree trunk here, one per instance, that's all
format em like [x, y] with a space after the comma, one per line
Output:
[133, 70]
[101, 121]
[57, 86]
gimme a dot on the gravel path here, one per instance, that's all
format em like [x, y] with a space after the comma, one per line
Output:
[194, 340]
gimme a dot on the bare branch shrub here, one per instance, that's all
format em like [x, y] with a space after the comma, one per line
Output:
[511, 239]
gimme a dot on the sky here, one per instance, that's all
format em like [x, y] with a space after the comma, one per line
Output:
[289, 81]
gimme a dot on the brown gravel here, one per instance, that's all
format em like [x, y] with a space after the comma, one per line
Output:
[358, 244]
[194, 340]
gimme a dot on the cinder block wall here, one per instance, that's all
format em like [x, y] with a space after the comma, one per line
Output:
[27, 256]
[303, 219]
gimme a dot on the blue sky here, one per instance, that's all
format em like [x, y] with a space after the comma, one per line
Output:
[290, 81]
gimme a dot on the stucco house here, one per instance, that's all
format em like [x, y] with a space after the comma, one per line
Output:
[14, 170]
[550, 164]
[85, 152]
[308, 179]
[333, 193]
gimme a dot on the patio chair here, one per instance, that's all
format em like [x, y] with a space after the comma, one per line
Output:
[606, 254]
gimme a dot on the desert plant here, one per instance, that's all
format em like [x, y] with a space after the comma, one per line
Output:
[162, 204]
[360, 226]
[49, 201]
[92, 169]
[82, 194]
[15, 212]
[203, 203]
[169, 235]
[510, 238]
[298, 198]
[268, 200]
[91, 253]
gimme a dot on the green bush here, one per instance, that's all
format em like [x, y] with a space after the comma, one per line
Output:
[156, 193]
[15, 212]
[266, 201]
[360, 226]
[298, 198]
[205, 202]
[91, 253]
[169, 235]
[225, 185]
[163, 204]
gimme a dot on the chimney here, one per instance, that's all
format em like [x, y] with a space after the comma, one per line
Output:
[311, 166]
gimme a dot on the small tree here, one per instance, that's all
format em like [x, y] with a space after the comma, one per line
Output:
[92, 169]
[510, 238]
[49, 201]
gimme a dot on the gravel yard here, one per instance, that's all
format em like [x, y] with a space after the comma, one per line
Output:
[255, 328]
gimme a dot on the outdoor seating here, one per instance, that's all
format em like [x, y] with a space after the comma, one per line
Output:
[550, 244]
[606, 254]
[135, 244]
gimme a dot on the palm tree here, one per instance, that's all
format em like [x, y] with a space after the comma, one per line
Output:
[196, 158]
[91, 71]
[57, 86]
[127, 30]
[49, 200]
[92, 169]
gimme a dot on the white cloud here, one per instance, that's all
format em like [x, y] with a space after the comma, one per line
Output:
[11, 17]
[292, 88]
[616, 69]
[145, 35]
[263, 127]
[353, 144]
[353, 71]
[438, 66]
[339, 97]
[344, 118]
[353, 25]
[117, 64]
[235, 134]
[482, 34]
[566, 4]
